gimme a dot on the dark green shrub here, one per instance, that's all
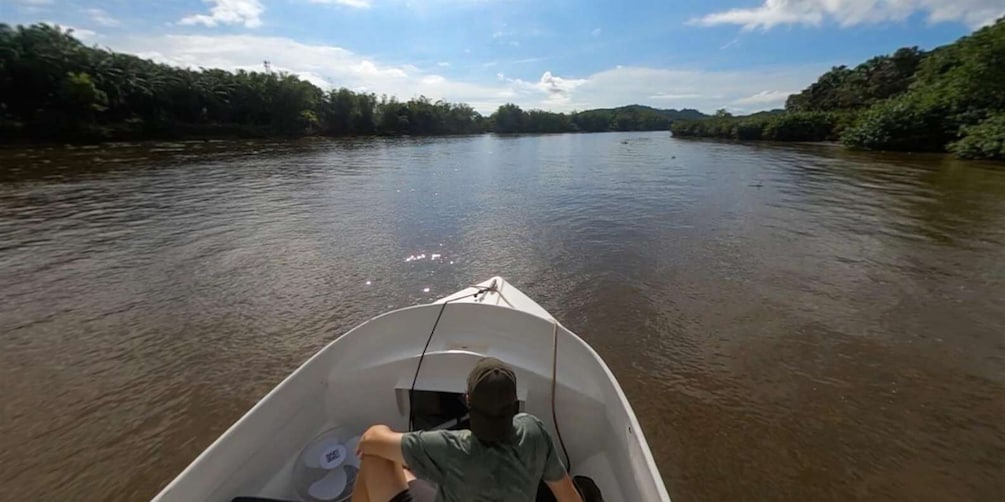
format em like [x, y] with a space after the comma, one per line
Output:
[911, 122]
[801, 126]
[982, 141]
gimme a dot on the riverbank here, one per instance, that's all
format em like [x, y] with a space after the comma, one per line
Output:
[133, 132]
[983, 141]
[768, 126]
[54, 88]
[949, 99]
[220, 132]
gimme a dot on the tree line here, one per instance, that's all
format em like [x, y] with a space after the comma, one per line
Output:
[949, 99]
[53, 87]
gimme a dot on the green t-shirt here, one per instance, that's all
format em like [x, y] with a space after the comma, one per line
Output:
[468, 470]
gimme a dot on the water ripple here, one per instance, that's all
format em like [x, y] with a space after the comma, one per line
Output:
[790, 322]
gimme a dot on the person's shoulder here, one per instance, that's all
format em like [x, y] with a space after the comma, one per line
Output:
[459, 436]
[524, 417]
[437, 443]
[439, 436]
[528, 422]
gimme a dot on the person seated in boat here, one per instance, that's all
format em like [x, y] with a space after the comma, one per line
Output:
[502, 458]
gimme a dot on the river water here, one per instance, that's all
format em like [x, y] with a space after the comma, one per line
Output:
[790, 322]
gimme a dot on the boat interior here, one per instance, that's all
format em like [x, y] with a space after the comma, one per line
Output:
[411, 365]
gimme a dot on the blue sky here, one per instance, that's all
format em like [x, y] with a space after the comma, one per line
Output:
[743, 55]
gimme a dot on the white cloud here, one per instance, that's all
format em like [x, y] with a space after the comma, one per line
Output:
[596, 32]
[81, 34]
[330, 66]
[559, 89]
[772, 13]
[678, 97]
[732, 43]
[356, 4]
[764, 98]
[704, 90]
[246, 12]
[84, 35]
[101, 17]
[510, 37]
[324, 65]
[443, 64]
[30, 7]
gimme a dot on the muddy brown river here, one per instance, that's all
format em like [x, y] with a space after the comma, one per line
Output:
[789, 322]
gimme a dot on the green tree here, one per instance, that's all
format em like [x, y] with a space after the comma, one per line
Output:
[509, 118]
[78, 95]
[54, 87]
[982, 141]
[950, 98]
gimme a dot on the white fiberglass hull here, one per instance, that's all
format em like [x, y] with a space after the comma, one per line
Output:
[364, 377]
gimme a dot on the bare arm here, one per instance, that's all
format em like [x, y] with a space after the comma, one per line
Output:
[564, 490]
[381, 441]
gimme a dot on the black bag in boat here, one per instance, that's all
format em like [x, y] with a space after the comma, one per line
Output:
[588, 490]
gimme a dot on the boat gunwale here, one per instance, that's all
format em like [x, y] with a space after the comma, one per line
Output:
[635, 429]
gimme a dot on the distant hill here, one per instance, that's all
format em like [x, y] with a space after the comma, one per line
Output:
[670, 113]
[510, 118]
